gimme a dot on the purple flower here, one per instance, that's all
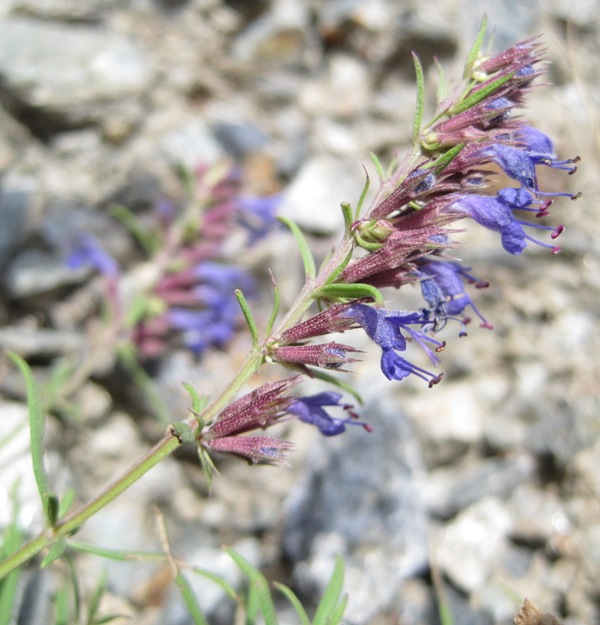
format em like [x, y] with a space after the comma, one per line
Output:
[384, 328]
[519, 162]
[310, 410]
[87, 251]
[202, 329]
[258, 214]
[443, 289]
[496, 213]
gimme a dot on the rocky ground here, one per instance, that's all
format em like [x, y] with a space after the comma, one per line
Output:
[488, 483]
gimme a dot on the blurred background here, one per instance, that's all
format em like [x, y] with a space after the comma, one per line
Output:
[479, 492]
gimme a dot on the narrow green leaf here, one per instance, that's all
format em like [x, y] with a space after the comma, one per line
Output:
[349, 291]
[190, 600]
[208, 466]
[56, 551]
[147, 239]
[338, 613]
[296, 603]
[62, 603]
[276, 305]
[243, 302]
[217, 579]
[480, 94]
[420, 106]
[475, 49]
[199, 402]
[259, 585]
[37, 425]
[8, 594]
[363, 195]
[445, 159]
[66, 501]
[331, 596]
[94, 601]
[12, 540]
[305, 253]
[378, 165]
[115, 554]
[347, 215]
[338, 270]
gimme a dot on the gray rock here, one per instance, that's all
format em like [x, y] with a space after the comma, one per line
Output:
[42, 342]
[313, 198]
[35, 272]
[67, 10]
[360, 499]
[448, 490]
[15, 209]
[71, 73]
[470, 547]
[191, 144]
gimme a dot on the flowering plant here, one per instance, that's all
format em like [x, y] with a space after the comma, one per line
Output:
[404, 236]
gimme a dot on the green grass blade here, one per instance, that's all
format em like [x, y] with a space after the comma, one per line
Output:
[217, 579]
[115, 554]
[9, 585]
[258, 586]
[37, 426]
[331, 597]
[296, 604]
[190, 600]
[307, 257]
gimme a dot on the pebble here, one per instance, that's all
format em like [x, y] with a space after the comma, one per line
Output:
[470, 547]
[313, 198]
[69, 71]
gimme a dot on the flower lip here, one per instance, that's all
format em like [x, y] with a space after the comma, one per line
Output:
[311, 410]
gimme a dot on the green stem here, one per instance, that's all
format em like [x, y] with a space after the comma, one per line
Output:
[74, 521]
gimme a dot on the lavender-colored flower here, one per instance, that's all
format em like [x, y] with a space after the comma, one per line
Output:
[258, 214]
[87, 251]
[384, 328]
[311, 410]
[443, 288]
[202, 329]
[496, 213]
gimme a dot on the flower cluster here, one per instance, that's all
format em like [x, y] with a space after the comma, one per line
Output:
[186, 290]
[404, 237]
[407, 231]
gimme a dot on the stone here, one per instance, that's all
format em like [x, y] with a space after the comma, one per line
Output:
[71, 73]
[313, 198]
[469, 548]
